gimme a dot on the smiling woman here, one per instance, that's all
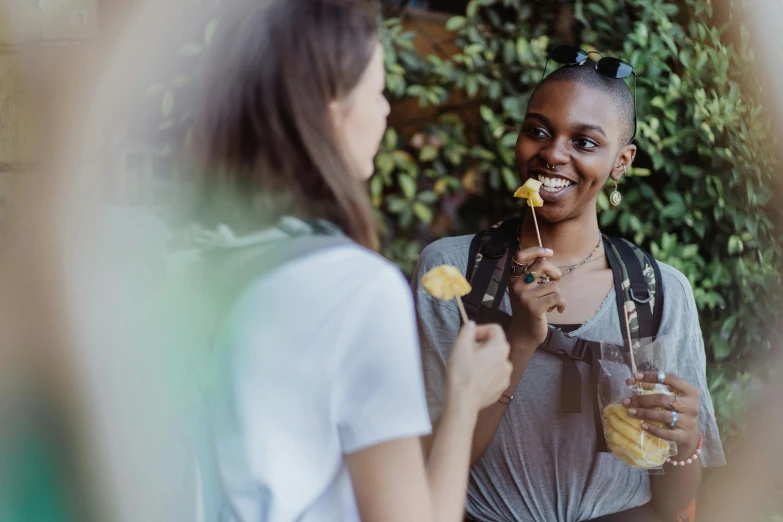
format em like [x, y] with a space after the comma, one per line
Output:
[576, 135]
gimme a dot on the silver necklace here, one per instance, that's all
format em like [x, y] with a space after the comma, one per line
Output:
[585, 260]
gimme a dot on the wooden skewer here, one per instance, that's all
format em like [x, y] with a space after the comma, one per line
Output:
[533, 210]
[462, 311]
[630, 342]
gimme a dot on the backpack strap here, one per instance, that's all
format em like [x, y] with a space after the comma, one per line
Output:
[570, 350]
[231, 271]
[487, 270]
[658, 306]
[637, 281]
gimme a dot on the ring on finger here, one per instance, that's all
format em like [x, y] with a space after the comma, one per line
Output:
[531, 277]
[675, 405]
[661, 377]
[517, 269]
[673, 423]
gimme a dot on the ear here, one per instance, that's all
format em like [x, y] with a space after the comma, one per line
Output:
[623, 162]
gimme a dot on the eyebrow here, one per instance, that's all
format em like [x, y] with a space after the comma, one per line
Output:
[579, 126]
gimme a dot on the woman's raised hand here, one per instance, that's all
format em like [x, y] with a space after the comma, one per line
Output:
[479, 370]
[531, 301]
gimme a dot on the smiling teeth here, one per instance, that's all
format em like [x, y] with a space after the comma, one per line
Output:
[552, 184]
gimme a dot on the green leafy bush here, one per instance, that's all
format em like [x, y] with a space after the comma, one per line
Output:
[699, 195]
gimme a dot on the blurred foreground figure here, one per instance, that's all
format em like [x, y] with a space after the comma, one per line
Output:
[89, 395]
[751, 489]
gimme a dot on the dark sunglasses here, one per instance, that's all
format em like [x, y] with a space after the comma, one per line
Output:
[610, 67]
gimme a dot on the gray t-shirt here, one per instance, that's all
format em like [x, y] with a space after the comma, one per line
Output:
[542, 465]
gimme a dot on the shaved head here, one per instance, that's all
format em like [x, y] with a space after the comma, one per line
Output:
[616, 89]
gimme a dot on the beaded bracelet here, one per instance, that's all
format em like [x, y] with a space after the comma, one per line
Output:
[693, 457]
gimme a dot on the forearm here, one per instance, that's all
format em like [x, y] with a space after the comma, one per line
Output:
[673, 491]
[449, 461]
[489, 418]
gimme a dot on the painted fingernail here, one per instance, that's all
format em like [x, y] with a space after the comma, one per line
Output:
[471, 324]
[644, 426]
[549, 251]
[639, 376]
[632, 411]
[626, 402]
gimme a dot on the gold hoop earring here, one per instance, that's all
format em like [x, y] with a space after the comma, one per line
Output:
[615, 198]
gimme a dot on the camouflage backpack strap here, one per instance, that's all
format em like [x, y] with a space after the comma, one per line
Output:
[487, 271]
[638, 286]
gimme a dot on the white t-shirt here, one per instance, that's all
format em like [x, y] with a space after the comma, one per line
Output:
[320, 358]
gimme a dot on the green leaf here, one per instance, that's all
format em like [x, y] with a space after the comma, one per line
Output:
[390, 139]
[423, 212]
[523, 48]
[428, 153]
[509, 140]
[684, 60]
[674, 210]
[471, 86]
[427, 196]
[639, 172]
[724, 154]
[692, 171]
[472, 9]
[397, 205]
[486, 114]
[406, 162]
[376, 186]
[456, 23]
[597, 9]
[384, 162]
[690, 251]
[735, 245]
[408, 186]
[721, 349]
[494, 91]
[510, 178]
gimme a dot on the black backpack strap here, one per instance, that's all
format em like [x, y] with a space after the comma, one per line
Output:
[485, 251]
[570, 350]
[644, 284]
[618, 284]
[493, 316]
[658, 308]
[488, 250]
[640, 291]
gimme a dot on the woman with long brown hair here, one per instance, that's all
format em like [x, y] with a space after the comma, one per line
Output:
[323, 395]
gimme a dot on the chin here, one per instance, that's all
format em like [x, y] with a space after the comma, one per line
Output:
[368, 171]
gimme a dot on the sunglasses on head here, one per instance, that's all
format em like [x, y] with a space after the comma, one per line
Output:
[607, 66]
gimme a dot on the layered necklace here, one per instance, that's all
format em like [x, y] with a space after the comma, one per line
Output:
[585, 260]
